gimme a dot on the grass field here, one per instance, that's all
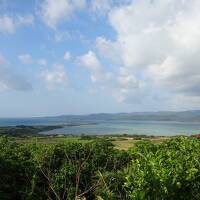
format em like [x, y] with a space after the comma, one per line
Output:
[122, 143]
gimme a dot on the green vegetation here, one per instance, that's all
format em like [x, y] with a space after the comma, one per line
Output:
[170, 170]
[92, 168]
[121, 142]
[25, 131]
[60, 171]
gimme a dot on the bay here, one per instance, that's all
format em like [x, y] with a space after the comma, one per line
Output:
[103, 127]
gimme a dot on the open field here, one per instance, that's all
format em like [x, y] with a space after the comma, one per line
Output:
[126, 143]
[121, 143]
[31, 134]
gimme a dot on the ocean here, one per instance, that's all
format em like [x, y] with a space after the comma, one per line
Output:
[103, 127]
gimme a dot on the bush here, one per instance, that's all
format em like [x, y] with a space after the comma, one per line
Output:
[170, 170]
[63, 171]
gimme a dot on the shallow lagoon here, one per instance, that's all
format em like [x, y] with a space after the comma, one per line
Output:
[103, 127]
[131, 127]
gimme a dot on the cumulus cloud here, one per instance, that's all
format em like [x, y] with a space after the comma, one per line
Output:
[92, 63]
[104, 46]
[54, 12]
[157, 46]
[55, 77]
[9, 79]
[118, 84]
[9, 24]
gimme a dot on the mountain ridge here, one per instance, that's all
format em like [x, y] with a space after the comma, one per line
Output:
[182, 116]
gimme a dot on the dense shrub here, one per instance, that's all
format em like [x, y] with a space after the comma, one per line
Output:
[96, 170]
[63, 171]
[170, 170]
[113, 186]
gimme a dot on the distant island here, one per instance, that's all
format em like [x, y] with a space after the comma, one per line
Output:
[105, 123]
[182, 116]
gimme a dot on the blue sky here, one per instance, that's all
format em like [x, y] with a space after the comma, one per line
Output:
[82, 56]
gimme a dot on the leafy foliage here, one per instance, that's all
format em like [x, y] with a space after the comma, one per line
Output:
[170, 170]
[24, 131]
[96, 170]
[62, 171]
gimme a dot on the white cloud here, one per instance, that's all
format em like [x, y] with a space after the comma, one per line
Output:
[67, 55]
[54, 12]
[101, 7]
[126, 85]
[55, 77]
[9, 79]
[26, 59]
[119, 85]
[9, 24]
[91, 62]
[157, 46]
[104, 47]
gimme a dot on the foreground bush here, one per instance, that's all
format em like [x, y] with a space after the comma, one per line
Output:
[63, 171]
[170, 170]
[96, 170]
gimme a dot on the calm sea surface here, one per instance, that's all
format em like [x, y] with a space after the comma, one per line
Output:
[103, 127]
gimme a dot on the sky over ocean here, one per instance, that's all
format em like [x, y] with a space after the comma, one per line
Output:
[90, 56]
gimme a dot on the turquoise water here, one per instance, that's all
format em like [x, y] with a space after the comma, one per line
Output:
[131, 127]
[103, 127]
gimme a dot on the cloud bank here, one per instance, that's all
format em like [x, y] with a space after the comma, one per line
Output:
[156, 50]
